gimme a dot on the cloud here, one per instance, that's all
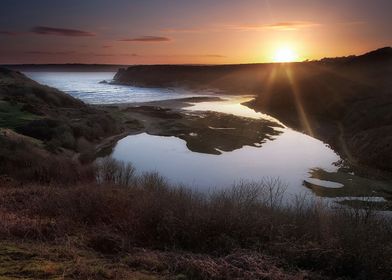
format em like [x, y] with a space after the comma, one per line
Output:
[183, 30]
[281, 26]
[9, 33]
[79, 53]
[44, 30]
[148, 39]
[114, 55]
[202, 29]
[187, 55]
[349, 23]
[211, 55]
[50, 52]
[291, 25]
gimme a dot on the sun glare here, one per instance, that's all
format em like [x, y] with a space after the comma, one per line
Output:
[285, 54]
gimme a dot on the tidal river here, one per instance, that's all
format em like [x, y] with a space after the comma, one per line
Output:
[290, 156]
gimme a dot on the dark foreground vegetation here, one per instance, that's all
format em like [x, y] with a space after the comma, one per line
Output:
[128, 226]
[346, 102]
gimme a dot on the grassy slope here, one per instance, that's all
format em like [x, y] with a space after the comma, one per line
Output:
[64, 127]
[50, 115]
[13, 116]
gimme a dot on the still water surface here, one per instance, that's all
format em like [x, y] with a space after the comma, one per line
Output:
[289, 157]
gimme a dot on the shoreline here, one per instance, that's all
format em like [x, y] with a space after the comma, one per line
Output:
[163, 112]
[169, 118]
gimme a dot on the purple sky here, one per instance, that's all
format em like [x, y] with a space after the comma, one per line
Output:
[219, 31]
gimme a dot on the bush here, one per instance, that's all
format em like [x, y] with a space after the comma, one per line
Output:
[125, 210]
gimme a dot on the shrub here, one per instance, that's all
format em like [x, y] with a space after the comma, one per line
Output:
[125, 210]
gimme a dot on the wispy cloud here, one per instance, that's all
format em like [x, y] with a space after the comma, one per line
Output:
[187, 55]
[114, 54]
[147, 39]
[50, 52]
[291, 25]
[76, 53]
[282, 26]
[210, 55]
[8, 33]
[45, 30]
[349, 23]
[184, 30]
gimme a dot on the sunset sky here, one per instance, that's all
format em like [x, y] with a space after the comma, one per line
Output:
[182, 31]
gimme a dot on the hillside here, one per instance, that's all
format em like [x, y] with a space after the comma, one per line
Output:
[346, 102]
[43, 129]
[16, 87]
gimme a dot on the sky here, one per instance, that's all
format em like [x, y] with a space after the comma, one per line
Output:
[189, 32]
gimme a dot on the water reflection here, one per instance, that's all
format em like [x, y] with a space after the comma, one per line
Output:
[214, 133]
[232, 105]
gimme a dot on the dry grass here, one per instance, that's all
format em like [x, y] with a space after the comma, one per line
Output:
[124, 211]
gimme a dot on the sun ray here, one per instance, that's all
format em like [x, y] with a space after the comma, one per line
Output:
[298, 103]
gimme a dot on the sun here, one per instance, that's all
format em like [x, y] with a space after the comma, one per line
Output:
[285, 54]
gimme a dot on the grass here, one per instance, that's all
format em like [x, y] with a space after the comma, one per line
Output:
[12, 115]
[27, 260]
[19, 262]
[127, 223]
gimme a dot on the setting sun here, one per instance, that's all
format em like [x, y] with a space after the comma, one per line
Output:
[285, 54]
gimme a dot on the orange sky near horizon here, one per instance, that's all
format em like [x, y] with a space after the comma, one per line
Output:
[189, 32]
